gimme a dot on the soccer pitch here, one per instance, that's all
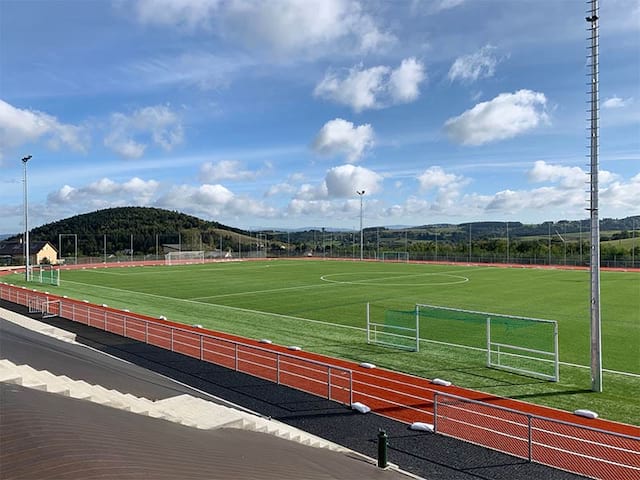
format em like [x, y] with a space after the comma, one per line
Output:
[320, 306]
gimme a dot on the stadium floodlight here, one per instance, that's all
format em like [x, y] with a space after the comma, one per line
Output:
[27, 251]
[594, 269]
[361, 194]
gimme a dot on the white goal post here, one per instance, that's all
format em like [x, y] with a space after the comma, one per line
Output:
[395, 257]
[522, 345]
[393, 328]
[45, 273]
[184, 258]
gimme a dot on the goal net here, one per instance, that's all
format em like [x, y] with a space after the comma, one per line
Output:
[395, 256]
[523, 345]
[46, 274]
[393, 328]
[184, 258]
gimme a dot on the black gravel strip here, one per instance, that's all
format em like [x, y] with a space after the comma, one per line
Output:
[424, 454]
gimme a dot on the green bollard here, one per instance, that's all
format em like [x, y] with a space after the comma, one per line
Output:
[382, 448]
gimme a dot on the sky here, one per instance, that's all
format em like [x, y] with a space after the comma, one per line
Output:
[274, 113]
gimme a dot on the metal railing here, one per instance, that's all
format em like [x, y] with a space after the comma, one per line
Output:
[322, 379]
[576, 448]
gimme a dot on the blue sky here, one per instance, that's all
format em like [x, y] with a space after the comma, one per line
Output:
[272, 113]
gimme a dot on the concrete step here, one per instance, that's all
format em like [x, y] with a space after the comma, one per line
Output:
[183, 409]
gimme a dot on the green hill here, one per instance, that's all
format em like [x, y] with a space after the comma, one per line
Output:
[117, 229]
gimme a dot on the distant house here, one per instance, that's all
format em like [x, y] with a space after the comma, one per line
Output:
[12, 252]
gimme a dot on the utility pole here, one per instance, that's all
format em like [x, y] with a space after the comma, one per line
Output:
[361, 194]
[27, 250]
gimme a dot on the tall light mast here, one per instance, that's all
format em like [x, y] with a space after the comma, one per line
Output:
[596, 344]
[27, 250]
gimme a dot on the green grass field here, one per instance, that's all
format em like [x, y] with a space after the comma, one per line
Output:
[320, 306]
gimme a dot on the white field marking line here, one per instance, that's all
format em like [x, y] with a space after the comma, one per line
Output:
[226, 307]
[396, 392]
[392, 277]
[271, 290]
[370, 283]
[155, 271]
[586, 440]
[588, 457]
[386, 400]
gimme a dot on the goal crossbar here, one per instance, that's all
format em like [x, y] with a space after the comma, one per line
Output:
[523, 345]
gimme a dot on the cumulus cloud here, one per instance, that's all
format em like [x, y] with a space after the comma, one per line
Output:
[340, 137]
[282, 26]
[225, 170]
[19, 126]
[209, 200]
[344, 180]
[447, 186]
[105, 192]
[469, 68]
[375, 87]
[616, 102]
[130, 135]
[506, 116]
[570, 177]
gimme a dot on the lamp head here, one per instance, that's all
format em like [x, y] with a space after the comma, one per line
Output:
[26, 159]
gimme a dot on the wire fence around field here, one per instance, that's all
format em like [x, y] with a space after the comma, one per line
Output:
[584, 450]
[576, 448]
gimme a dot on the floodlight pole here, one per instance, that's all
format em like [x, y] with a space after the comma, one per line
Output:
[27, 250]
[596, 344]
[361, 194]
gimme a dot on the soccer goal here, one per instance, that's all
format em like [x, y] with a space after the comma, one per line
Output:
[48, 308]
[395, 256]
[184, 258]
[393, 328]
[47, 274]
[523, 345]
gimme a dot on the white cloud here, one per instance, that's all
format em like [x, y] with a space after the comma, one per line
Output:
[105, 192]
[131, 134]
[405, 80]
[624, 196]
[375, 87]
[616, 102]
[570, 177]
[344, 180]
[212, 201]
[340, 137]
[225, 170]
[435, 6]
[448, 186]
[19, 127]
[469, 68]
[506, 116]
[281, 26]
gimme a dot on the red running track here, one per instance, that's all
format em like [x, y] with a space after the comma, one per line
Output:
[592, 447]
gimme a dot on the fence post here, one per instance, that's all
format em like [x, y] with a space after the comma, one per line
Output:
[236, 357]
[278, 368]
[172, 339]
[529, 437]
[328, 383]
[435, 412]
[201, 346]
